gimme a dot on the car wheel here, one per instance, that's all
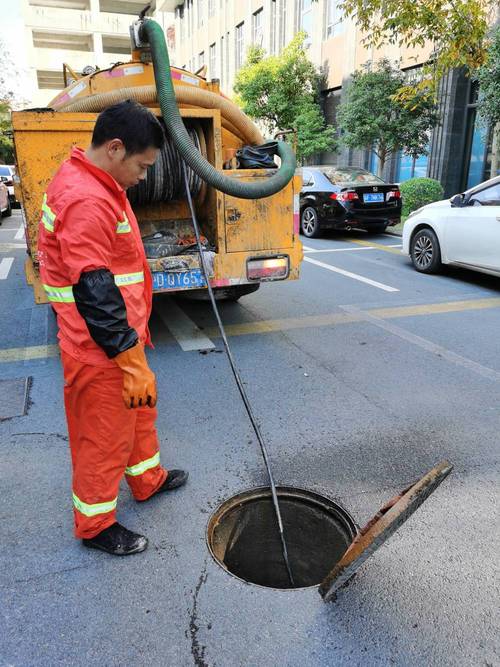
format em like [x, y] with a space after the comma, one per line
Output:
[425, 252]
[309, 223]
[8, 211]
[378, 228]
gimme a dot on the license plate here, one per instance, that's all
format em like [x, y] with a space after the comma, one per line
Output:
[373, 198]
[163, 280]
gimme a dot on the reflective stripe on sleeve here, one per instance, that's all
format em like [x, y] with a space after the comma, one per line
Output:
[123, 279]
[123, 226]
[93, 510]
[141, 467]
[48, 216]
[59, 294]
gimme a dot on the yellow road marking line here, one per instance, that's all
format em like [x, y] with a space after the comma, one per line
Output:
[26, 353]
[378, 246]
[290, 323]
[330, 319]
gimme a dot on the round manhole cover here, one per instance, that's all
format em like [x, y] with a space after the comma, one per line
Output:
[243, 536]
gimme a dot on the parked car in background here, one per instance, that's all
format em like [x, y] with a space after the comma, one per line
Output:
[345, 198]
[5, 206]
[7, 173]
[463, 230]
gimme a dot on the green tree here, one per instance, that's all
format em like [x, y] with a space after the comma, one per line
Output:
[457, 31]
[488, 77]
[372, 117]
[282, 92]
[6, 143]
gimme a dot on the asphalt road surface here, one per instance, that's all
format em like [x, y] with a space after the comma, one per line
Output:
[363, 375]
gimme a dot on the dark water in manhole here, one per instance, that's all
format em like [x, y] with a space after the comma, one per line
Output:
[243, 536]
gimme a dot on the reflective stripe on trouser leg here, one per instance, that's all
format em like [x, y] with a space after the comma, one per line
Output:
[105, 438]
[143, 473]
[101, 433]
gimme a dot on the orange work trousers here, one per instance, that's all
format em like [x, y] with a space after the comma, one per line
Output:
[107, 441]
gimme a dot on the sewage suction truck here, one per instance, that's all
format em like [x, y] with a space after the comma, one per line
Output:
[247, 206]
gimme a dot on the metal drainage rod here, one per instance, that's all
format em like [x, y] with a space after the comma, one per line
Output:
[238, 378]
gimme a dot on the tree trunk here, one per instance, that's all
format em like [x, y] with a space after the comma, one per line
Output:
[495, 151]
[381, 163]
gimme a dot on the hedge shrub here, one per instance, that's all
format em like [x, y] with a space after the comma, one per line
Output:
[417, 192]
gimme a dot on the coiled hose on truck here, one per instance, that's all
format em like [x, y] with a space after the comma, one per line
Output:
[151, 32]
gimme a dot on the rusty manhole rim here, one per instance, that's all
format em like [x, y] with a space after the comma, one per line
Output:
[295, 492]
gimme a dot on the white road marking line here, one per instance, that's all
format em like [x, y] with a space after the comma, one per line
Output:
[5, 266]
[394, 245]
[428, 345]
[20, 233]
[182, 328]
[339, 249]
[354, 276]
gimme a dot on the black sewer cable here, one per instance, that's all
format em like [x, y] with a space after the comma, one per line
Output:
[237, 377]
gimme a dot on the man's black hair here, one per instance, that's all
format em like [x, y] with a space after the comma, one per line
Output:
[131, 122]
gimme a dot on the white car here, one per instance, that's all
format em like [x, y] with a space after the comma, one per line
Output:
[7, 174]
[463, 231]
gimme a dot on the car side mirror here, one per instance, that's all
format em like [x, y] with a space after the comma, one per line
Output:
[457, 200]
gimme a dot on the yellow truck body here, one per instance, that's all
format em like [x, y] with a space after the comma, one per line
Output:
[239, 230]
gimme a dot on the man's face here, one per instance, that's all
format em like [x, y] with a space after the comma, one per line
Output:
[128, 170]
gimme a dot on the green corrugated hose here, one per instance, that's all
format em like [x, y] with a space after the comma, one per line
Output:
[152, 33]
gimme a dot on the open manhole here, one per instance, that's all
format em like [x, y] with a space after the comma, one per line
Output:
[325, 546]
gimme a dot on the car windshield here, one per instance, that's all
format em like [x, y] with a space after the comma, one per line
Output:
[338, 175]
[4, 171]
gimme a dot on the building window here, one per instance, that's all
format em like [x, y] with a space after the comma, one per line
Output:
[201, 13]
[408, 167]
[201, 59]
[272, 25]
[227, 59]
[257, 36]
[48, 79]
[189, 9]
[334, 16]
[306, 21]
[282, 23]
[239, 45]
[222, 59]
[116, 7]
[211, 8]
[212, 60]
[66, 41]
[116, 44]
[478, 143]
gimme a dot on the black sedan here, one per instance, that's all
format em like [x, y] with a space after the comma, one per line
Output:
[346, 198]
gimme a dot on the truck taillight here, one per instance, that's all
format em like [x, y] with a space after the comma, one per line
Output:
[394, 194]
[268, 268]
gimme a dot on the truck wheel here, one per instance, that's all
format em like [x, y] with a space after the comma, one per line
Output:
[425, 252]
[309, 223]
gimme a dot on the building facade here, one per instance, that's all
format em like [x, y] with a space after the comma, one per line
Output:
[216, 34]
[80, 33]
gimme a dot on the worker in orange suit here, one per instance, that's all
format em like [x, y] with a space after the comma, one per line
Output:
[96, 276]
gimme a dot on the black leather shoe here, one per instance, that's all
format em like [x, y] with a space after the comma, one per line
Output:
[174, 479]
[117, 540]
